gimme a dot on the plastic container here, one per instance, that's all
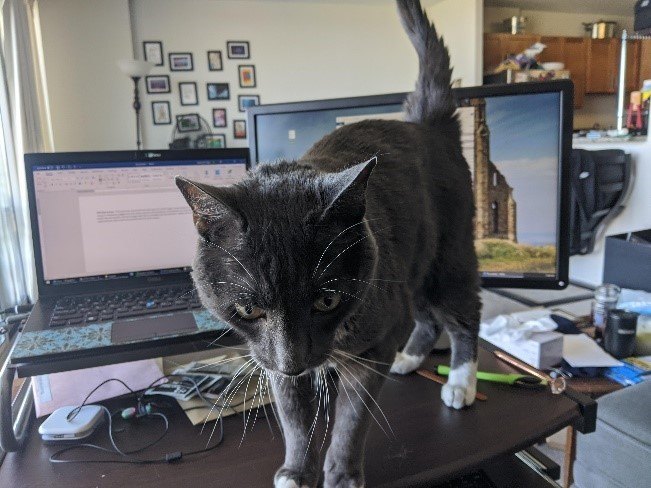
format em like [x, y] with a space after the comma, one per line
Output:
[605, 300]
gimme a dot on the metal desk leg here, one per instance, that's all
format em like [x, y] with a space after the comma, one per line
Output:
[570, 455]
[13, 427]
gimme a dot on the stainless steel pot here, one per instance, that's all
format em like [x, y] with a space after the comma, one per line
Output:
[601, 29]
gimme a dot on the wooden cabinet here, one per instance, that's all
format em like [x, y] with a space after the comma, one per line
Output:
[575, 59]
[593, 63]
[645, 62]
[603, 65]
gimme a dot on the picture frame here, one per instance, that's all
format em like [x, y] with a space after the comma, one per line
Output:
[238, 49]
[188, 93]
[246, 101]
[219, 117]
[239, 129]
[218, 91]
[153, 52]
[247, 75]
[161, 113]
[157, 84]
[215, 61]
[181, 62]
[188, 122]
[214, 141]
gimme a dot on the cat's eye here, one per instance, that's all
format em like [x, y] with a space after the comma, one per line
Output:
[249, 311]
[327, 302]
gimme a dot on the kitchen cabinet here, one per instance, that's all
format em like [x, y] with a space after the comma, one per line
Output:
[575, 59]
[645, 61]
[593, 63]
[602, 67]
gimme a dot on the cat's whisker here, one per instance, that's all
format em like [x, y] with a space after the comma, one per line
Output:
[221, 335]
[333, 240]
[371, 397]
[235, 375]
[343, 365]
[373, 370]
[340, 375]
[246, 393]
[231, 255]
[353, 244]
[313, 426]
[217, 363]
[326, 406]
[263, 390]
[272, 405]
[343, 293]
[349, 354]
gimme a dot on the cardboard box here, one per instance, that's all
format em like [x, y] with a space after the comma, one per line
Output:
[627, 260]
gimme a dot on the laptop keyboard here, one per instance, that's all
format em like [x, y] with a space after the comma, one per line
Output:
[86, 309]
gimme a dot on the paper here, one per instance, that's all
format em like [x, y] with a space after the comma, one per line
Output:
[582, 352]
[52, 391]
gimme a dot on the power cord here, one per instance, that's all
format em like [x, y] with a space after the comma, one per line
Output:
[142, 411]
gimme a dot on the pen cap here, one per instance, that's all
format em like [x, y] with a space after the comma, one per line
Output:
[619, 339]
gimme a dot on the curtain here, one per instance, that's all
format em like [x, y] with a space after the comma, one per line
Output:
[24, 128]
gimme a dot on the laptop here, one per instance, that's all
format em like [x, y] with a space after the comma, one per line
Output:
[113, 245]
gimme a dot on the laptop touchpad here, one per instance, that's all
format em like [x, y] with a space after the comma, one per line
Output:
[152, 327]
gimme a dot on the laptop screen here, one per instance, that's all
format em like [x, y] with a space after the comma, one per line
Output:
[118, 219]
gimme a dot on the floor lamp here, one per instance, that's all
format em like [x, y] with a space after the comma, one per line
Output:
[135, 70]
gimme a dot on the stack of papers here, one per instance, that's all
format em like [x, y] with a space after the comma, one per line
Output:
[580, 351]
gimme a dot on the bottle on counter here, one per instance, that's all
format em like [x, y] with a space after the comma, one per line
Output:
[605, 300]
[646, 101]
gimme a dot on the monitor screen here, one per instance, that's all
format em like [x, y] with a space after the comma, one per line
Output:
[516, 140]
[125, 217]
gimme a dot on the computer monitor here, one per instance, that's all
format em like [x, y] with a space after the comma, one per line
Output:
[104, 219]
[517, 141]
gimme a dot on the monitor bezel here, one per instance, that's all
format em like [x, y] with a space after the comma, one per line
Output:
[61, 158]
[566, 90]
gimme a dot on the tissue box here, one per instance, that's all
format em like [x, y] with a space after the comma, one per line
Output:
[543, 350]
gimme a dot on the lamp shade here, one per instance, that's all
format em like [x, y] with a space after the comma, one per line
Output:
[134, 68]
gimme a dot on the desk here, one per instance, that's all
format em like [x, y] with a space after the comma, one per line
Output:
[432, 443]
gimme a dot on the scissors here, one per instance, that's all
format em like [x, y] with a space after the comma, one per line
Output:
[514, 379]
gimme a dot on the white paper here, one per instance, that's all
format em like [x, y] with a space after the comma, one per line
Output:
[582, 352]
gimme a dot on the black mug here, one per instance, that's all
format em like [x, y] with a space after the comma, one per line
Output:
[619, 339]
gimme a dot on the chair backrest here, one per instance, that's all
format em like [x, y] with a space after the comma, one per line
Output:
[600, 184]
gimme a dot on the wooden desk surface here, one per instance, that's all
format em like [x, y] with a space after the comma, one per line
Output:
[432, 442]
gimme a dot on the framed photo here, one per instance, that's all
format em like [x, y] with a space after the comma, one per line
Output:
[188, 122]
[219, 117]
[238, 49]
[215, 61]
[181, 62]
[246, 101]
[247, 75]
[157, 84]
[153, 51]
[160, 113]
[218, 91]
[239, 129]
[214, 141]
[188, 93]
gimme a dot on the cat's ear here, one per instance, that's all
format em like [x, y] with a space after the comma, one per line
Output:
[347, 191]
[214, 209]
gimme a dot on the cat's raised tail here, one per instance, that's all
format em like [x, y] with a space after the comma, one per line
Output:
[431, 101]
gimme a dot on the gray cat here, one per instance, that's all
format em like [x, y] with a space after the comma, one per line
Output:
[328, 262]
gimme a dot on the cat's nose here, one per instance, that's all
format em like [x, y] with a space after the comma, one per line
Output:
[292, 372]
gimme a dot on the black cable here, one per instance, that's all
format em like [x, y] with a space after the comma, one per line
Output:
[169, 457]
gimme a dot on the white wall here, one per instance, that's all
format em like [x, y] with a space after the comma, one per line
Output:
[90, 99]
[301, 50]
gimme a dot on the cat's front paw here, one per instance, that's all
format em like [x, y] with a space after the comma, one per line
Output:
[342, 480]
[288, 478]
[406, 363]
[461, 388]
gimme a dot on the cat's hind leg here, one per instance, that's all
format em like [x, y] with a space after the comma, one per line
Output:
[420, 344]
